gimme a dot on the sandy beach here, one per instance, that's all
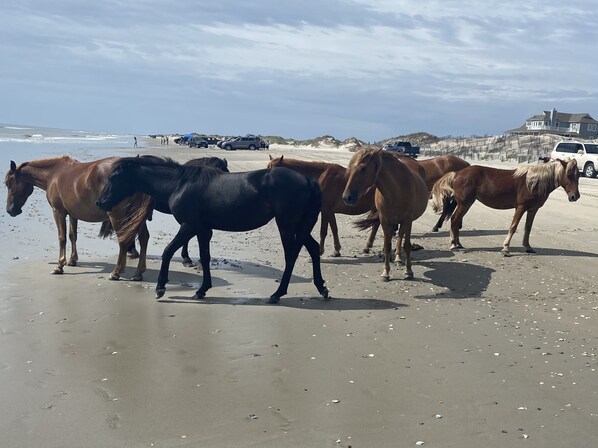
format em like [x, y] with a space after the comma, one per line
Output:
[477, 351]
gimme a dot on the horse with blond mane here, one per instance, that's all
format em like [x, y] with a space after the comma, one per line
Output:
[525, 189]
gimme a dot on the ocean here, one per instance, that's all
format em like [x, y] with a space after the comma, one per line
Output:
[22, 143]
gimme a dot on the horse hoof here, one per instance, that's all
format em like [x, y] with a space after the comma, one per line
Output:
[336, 253]
[160, 292]
[57, 271]
[72, 263]
[456, 247]
[137, 277]
[324, 292]
[365, 251]
[273, 300]
[114, 276]
[435, 229]
[408, 276]
[505, 253]
[199, 295]
[385, 278]
[188, 264]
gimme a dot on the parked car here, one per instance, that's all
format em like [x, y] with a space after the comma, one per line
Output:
[249, 142]
[197, 142]
[403, 147]
[586, 155]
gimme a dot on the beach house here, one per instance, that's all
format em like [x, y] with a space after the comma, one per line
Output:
[579, 125]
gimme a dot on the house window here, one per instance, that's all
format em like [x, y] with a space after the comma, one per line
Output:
[592, 127]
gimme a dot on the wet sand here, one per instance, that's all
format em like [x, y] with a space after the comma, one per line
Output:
[477, 350]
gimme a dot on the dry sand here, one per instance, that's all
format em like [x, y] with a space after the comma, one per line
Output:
[477, 351]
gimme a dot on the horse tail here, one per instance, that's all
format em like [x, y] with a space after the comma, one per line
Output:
[442, 192]
[106, 230]
[371, 219]
[138, 211]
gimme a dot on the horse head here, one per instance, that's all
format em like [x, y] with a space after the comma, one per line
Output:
[118, 186]
[275, 161]
[569, 178]
[363, 171]
[19, 189]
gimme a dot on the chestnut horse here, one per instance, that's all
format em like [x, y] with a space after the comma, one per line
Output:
[71, 189]
[400, 197]
[333, 178]
[525, 189]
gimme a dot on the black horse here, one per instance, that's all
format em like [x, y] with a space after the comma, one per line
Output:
[203, 198]
[215, 162]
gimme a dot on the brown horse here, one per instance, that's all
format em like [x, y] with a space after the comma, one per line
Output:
[400, 197]
[72, 188]
[525, 189]
[332, 179]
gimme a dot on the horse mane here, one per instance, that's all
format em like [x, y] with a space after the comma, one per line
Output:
[45, 163]
[193, 173]
[541, 178]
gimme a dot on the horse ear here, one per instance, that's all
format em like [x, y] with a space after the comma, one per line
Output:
[270, 155]
[13, 166]
[225, 162]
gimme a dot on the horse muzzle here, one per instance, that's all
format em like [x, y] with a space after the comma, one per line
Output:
[350, 198]
[574, 197]
[14, 211]
[103, 205]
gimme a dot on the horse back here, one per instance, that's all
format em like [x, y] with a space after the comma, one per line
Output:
[494, 187]
[436, 167]
[75, 188]
[248, 200]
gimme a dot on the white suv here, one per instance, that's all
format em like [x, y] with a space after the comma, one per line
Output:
[586, 155]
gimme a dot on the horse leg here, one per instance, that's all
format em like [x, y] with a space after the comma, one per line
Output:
[187, 261]
[312, 248]
[73, 239]
[529, 221]
[291, 252]
[389, 231]
[519, 211]
[184, 234]
[405, 232]
[203, 238]
[143, 240]
[132, 251]
[399, 236]
[456, 221]
[323, 231]
[60, 218]
[370, 241]
[334, 230]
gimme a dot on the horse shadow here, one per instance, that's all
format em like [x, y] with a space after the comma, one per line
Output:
[444, 233]
[516, 251]
[184, 282]
[463, 280]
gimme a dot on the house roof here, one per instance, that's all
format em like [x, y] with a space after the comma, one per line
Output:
[564, 117]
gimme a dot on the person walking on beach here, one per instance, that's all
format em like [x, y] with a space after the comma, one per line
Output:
[135, 144]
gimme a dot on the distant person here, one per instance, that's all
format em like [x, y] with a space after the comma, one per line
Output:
[167, 139]
[135, 144]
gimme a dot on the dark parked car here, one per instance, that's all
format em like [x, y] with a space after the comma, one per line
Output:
[197, 142]
[249, 142]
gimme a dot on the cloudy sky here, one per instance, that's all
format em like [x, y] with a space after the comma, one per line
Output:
[372, 69]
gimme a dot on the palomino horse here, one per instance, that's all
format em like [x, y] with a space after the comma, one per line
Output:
[525, 189]
[401, 196]
[71, 189]
[203, 198]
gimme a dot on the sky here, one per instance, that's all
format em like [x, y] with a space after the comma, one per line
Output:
[370, 69]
